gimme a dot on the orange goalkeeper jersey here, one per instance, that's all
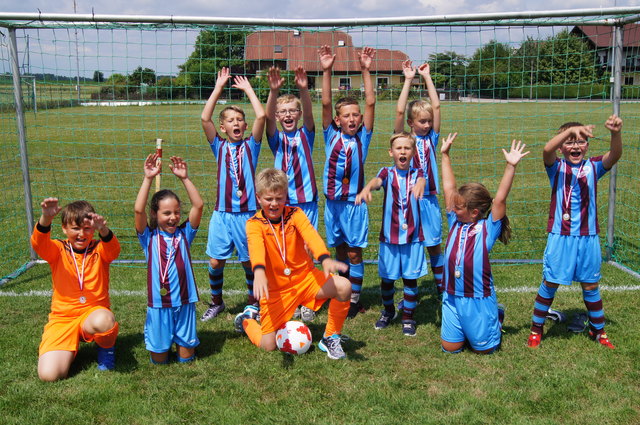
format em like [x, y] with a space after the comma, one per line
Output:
[68, 299]
[264, 251]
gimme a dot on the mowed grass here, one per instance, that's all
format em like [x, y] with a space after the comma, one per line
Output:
[387, 377]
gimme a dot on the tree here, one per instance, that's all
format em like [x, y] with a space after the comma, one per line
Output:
[566, 59]
[98, 76]
[141, 76]
[448, 69]
[489, 69]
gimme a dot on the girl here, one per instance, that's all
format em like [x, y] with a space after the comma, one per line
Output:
[171, 287]
[469, 305]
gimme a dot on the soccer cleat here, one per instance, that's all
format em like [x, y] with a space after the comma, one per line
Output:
[249, 312]
[354, 309]
[534, 340]
[578, 323]
[385, 319]
[556, 316]
[212, 311]
[307, 314]
[501, 309]
[106, 358]
[409, 327]
[332, 345]
[602, 338]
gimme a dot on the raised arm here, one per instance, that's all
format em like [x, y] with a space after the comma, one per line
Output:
[434, 99]
[326, 60]
[448, 179]
[179, 169]
[572, 133]
[513, 157]
[275, 82]
[302, 82]
[152, 167]
[614, 124]
[409, 72]
[365, 194]
[207, 123]
[50, 208]
[243, 84]
[366, 59]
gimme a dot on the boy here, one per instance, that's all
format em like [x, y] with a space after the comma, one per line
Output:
[285, 276]
[80, 306]
[573, 246]
[347, 137]
[401, 251]
[423, 119]
[292, 147]
[237, 159]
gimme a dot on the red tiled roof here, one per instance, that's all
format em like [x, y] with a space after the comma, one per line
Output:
[301, 49]
[602, 35]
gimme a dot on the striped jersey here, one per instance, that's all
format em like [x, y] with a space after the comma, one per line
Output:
[170, 278]
[425, 158]
[401, 211]
[467, 272]
[236, 174]
[292, 152]
[573, 209]
[344, 167]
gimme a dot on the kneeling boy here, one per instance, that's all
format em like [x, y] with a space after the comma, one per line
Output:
[284, 274]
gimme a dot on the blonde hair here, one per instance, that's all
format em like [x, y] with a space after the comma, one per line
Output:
[231, 108]
[418, 106]
[402, 135]
[477, 196]
[344, 101]
[287, 98]
[271, 180]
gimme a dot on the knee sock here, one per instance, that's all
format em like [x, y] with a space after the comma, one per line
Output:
[107, 339]
[344, 274]
[356, 273]
[186, 360]
[387, 290]
[216, 279]
[253, 330]
[248, 275]
[410, 298]
[337, 315]
[593, 302]
[437, 266]
[543, 302]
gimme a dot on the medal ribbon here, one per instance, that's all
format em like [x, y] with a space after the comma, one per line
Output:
[172, 251]
[462, 242]
[288, 151]
[566, 197]
[84, 257]
[282, 250]
[402, 199]
[236, 163]
[423, 156]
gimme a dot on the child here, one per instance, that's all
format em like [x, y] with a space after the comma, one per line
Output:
[171, 286]
[285, 276]
[401, 251]
[80, 306]
[347, 137]
[292, 147]
[469, 307]
[573, 246]
[236, 200]
[423, 119]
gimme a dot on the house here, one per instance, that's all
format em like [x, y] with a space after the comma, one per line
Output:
[600, 37]
[293, 48]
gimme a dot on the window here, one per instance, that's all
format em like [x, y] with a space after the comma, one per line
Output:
[340, 42]
[628, 81]
[277, 48]
[345, 83]
[383, 82]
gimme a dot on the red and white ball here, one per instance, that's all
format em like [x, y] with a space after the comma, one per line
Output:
[293, 337]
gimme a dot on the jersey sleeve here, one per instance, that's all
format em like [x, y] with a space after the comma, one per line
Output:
[256, 243]
[494, 228]
[310, 135]
[110, 249]
[552, 170]
[598, 166]
[451, 218]
[274, 142]
[383, 174]
[189, 232]
[43, 245]
[309, 234]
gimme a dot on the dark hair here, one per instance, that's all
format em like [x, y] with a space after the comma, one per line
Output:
[569, 124]
[477, 196]
[344, 101]
[76, 212]
[155, 202]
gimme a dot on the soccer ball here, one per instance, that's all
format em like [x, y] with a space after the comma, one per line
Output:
[293, 337]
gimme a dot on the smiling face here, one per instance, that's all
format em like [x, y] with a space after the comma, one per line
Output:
[79, 235]
[349, 119]
[288, 114]
[168, 214]
[574, 151]
[272, 203]
[233, 125]
[402, 150]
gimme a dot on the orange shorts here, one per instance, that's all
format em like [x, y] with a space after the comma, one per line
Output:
[281, 305]
[65, 333]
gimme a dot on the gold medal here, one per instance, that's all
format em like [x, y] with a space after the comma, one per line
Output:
[82, 300]
[163, 291]
[566, 217]
[458, 273]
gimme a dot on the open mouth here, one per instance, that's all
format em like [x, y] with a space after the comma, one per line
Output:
[575, 154]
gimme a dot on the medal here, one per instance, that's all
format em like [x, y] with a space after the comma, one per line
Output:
[239, 193]
[566, 217]
[345, 181]
[462, 246]
[164, 273]
[163, 291]
[458, 273]
[405, 226]
[567, 196]
[79, 273]
[236, 165]
[401, 199]
[82, 300]
[282, 249]
[287, 271]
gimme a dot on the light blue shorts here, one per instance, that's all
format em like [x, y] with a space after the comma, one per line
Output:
[167, 325]
[431, 219]
[406, 260]
[472, 319]
[226, 232]
[347, 223]
[310, 209]
[572, 258]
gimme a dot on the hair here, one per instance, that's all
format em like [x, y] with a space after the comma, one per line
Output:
[569, 124]
[476, 196]
[154, 205]
[344, 101]
[287, 98]
[76, 212]
[271, 180]
[231, 108]
[417, 106]
[402, 135]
